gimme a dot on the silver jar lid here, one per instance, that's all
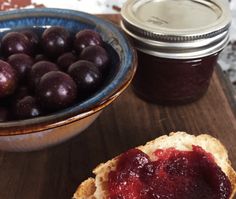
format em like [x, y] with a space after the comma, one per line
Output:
[177, 29]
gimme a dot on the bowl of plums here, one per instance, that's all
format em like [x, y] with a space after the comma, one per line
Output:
[58, 70]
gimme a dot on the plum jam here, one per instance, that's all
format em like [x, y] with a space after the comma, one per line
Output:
[178, 43]
[173, 175]
[172, 81]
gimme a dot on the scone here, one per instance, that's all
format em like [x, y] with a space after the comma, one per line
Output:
[178, 166]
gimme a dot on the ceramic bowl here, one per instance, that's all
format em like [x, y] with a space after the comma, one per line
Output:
[44, 131]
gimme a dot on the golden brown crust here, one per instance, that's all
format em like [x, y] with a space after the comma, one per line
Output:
[232, 178]
[178, 140]
[85, 190]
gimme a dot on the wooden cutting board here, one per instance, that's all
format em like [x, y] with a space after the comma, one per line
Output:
[54, 173]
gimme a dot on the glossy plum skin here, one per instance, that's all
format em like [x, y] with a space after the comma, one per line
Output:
[15, 42]
[56, 41]
[65, 60]
[38, 70]
[56, 90]
[8, 79]
[34, 40]
[22, 64]
[97, 55]
[86, 38]
[86, 76]
[27, 107]
[47, 70]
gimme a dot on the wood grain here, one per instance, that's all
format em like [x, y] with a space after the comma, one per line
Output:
[54, 173]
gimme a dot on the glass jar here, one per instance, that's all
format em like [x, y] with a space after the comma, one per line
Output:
[178, 42]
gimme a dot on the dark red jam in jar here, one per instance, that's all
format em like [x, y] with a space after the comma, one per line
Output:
[174, 174]
[185, 80]
[178, 42]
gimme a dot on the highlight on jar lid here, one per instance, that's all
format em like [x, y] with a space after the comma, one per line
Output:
[178, 29]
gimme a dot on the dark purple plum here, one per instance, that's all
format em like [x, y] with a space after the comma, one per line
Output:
[97, 55]
[27, 107]
[4, 112]
[15, 42]
[33, 38]
[40, 57]
[22, 64]
[86, 76]
[56, 41]
[21, 92]
[56, 90]
[65, 60]
[44, 73]
[38, 70]
[8, 79]
[86, 38]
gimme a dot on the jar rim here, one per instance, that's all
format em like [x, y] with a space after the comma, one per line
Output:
[192, 40]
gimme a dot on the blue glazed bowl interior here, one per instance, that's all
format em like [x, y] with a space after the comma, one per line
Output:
[120, 51]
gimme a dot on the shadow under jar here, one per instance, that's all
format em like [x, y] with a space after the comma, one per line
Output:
[178, 42]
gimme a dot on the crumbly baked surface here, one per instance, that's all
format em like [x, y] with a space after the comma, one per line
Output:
[97, 188]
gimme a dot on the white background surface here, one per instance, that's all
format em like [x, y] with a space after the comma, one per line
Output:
[227, 59]
[91, 6]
